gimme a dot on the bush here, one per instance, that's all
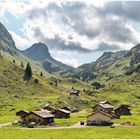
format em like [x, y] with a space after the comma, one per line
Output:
[97, 85]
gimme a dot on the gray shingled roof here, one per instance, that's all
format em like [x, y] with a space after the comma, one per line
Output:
[103, 102]
[106, 106]
[43, 114]
[65, 111]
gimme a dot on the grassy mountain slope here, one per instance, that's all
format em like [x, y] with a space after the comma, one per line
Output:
[91, 71]
[17, 94]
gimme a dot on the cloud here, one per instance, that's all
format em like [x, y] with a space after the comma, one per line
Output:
[117, 30]
[107, 47]
[127, 9]
[59, 43]
[77, 25]
[71, 62]
[21, 43]
[74, 14]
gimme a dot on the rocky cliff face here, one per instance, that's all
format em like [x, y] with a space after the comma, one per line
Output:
[7, 43]
[38, 52]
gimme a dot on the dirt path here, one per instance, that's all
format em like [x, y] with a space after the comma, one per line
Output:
[77, 125]
[5, 124]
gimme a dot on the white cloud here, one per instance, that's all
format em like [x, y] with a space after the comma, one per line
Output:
[71, 62]
[82, 22]
[20, 42]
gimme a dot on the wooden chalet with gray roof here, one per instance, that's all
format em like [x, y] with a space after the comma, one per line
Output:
[39, 117]
[61, 113]
[103, 106]
[99, 118]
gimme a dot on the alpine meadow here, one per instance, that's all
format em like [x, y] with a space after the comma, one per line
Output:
[69, 69]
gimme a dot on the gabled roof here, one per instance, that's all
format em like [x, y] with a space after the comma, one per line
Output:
[44, 110]
[104, 102]
[107, 106]
[101, 113]
[67, 108]
[25, 111]
[49, 107]
[65, 111]
[43, 114]
[123, 106]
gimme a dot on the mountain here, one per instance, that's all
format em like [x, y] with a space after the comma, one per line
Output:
[7, 43]
[91, 71]
[110, 67]
[39, 52]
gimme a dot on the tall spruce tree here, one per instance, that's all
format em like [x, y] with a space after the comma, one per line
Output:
[28, 72]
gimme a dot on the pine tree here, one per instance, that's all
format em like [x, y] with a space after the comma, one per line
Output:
[41, 74]
[14, 61]
[28, 72]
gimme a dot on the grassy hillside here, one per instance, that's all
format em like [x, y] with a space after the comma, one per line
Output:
[18, 94]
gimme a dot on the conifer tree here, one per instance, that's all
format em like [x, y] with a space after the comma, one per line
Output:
[41, 74]
[28, 72]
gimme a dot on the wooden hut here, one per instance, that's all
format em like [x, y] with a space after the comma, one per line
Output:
[74, 92]
[122, 110]
[103, 107]
[49, 108]
[61, 113]
[99, 118]
[39, 117]
[22, 113]
[72, 110]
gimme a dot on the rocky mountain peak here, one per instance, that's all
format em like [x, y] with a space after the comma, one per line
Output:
[38, 51]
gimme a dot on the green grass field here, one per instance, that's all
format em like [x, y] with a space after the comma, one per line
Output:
[74, 133]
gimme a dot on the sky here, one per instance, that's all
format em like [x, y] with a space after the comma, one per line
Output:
[75, 31]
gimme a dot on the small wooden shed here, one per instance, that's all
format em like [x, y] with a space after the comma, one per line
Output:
[39, 117]
[61, 113]
[122, 110]
[74, 92]
[99, 118]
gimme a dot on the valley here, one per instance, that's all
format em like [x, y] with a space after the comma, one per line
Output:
[114, 77]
